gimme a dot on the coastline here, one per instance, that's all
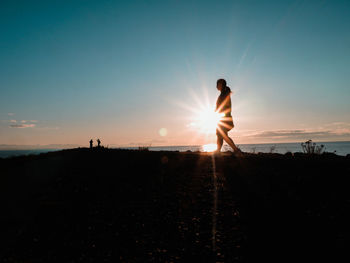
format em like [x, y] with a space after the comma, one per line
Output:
[339, 147]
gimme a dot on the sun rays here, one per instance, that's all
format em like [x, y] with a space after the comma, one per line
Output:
[206, 120]
[201, 117]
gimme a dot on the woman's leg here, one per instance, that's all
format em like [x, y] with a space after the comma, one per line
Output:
[230, 142]
[219, 142]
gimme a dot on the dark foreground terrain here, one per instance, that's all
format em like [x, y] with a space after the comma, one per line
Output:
[137, 206]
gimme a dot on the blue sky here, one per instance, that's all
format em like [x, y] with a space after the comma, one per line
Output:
[122, 70]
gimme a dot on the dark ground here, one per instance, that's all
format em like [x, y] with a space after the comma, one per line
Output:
[137, 206]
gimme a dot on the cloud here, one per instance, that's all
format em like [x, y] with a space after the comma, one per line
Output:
[302, 134]
[139, 143]
[21, 126]
[326, 132]
[22, 123]
[28, 124]
[10, 114]
[30, 121]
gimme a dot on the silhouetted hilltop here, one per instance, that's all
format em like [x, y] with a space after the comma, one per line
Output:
[83, 205]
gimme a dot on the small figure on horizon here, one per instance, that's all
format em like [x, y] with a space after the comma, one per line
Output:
[91, 142]
[223, 106]
[98, 143]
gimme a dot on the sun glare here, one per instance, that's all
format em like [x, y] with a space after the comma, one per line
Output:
[202, 118]
[206, 120]
[209, 147]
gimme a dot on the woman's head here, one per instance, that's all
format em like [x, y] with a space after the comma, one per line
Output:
[221, 84]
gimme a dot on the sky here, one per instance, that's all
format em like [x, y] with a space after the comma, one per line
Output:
[131, 72]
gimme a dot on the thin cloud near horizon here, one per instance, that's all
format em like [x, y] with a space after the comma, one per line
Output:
[299, 135]
[22, 123]
[20, 126]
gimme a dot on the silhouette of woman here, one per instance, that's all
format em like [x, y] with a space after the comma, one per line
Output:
[223, 106]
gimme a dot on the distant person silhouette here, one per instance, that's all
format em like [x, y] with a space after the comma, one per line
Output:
[98, 143]
[91, 142]
[223, 106]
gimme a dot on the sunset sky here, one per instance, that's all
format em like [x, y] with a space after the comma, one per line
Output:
[129, 72]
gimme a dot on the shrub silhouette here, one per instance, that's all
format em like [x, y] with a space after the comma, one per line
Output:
[272, 148]
[310, 147]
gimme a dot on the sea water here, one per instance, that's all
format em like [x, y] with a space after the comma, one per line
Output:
[10, 153]
[340, 148]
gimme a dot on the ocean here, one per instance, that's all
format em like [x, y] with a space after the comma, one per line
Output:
[11, 153]
[340, 148]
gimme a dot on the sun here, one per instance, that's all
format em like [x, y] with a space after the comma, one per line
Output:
[206, 120]
[201, 117]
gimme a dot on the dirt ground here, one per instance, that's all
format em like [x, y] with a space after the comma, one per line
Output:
[106, 205]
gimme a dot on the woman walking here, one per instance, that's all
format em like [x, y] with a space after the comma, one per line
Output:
[223, 106]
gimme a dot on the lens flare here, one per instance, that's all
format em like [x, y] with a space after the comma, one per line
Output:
[163, 132]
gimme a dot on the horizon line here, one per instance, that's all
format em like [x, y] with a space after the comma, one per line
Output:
[111, 146]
